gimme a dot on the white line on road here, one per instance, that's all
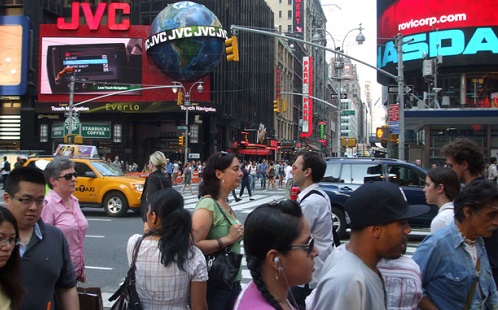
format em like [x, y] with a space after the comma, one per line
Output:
[94, 236]
[98, 268]
[101, 220]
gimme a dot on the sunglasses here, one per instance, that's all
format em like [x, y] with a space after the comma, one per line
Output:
[68, 176]
[307, 247]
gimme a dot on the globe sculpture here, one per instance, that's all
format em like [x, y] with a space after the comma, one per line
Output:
[180, 57]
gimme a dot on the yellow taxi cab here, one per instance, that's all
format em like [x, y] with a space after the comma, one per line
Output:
[99, 183]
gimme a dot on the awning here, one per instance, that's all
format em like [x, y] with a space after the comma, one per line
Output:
[261, 152]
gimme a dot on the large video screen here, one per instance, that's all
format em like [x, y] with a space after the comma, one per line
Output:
[14, 47]
[464, 33]
[106, 62]
[100, 64]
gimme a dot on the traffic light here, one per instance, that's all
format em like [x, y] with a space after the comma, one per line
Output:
[382, 133]
[276, 106]
[232, 49]
[76, 139]
[181, 140]
[179, 99]
[284, 105]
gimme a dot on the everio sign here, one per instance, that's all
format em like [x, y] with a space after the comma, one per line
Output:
[89, 131]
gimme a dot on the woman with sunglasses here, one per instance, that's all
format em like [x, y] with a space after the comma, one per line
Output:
[11, 290]
[214, 223]
[280, 254]
[62, 210]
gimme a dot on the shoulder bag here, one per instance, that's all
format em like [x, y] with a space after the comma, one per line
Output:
[223, 265]
[126, 295]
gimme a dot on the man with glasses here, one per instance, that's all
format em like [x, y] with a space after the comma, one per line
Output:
[46, 267]
[379, 229]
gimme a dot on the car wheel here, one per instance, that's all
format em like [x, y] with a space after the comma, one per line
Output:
[115, 204]
[339, 222]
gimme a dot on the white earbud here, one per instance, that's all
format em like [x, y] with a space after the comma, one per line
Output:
[276, 260]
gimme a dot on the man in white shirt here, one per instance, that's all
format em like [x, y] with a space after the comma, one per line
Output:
[288, 179]
[308, 169]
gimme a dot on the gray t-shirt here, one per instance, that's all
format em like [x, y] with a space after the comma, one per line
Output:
[345, 282]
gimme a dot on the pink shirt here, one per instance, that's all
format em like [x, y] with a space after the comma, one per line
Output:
[250, 298]
[72, 223]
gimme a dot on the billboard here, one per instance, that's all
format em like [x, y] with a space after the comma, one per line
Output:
[14, 50]
[463, 32]
[105, 62]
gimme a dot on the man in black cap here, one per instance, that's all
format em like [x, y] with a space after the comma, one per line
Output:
[379, 229]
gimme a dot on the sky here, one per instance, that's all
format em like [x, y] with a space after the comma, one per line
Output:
[344, 15]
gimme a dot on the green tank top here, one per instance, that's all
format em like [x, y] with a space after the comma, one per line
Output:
[220, 226]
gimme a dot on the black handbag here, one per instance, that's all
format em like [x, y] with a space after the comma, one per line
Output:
[223, 266]
[126, 295]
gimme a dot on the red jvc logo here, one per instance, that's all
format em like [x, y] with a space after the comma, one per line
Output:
[93, 20]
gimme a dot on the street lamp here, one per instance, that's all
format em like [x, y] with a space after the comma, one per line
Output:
[186, 104]
[338, 66]
[72, 80]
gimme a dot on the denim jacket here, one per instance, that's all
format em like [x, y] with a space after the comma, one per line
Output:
[448, 271]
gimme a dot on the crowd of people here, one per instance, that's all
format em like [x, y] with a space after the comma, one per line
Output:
[294, 258]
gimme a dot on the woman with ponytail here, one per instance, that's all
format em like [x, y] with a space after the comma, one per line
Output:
[169, 269]
[279, 252]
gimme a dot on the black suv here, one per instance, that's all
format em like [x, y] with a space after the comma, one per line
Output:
[344, 175]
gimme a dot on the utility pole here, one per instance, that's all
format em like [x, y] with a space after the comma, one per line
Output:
[401, 95]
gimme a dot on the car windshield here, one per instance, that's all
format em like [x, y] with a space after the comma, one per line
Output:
[107, 170]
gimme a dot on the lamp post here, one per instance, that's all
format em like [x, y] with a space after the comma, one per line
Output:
[72, 80]
[338, 66]
[186, 104]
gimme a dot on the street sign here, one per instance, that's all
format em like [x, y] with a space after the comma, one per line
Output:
[344, 96]
[394, 127]
[393, 89]
[194, 155]
[181, 127]
[348, 112]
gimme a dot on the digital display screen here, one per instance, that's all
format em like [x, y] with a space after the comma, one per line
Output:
[463, 33]
[98, 67]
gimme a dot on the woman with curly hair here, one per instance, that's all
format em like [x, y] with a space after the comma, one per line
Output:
[214, 223]
[279, 252]
[11, 290]
[169, 268]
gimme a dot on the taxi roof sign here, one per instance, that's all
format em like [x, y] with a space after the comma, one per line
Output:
[77, 151]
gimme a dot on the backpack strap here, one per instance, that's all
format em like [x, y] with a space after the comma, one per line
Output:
[311, 193]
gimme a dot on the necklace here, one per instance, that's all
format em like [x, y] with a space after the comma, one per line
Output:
[465, 239]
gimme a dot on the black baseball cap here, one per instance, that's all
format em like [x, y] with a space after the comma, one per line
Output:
[380, 203]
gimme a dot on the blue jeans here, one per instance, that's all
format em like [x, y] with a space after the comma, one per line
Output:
[222, 299]
[263, 180]
[252, 181]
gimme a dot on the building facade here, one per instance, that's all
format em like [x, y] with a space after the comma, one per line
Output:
[450, 61]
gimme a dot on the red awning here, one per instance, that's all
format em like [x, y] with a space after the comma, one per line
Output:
[261, 152]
